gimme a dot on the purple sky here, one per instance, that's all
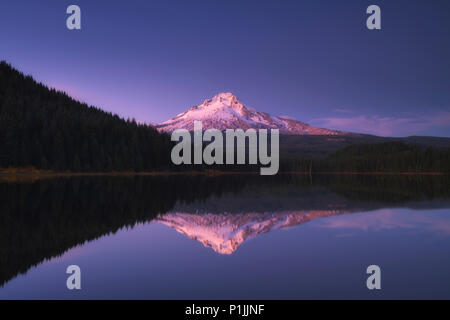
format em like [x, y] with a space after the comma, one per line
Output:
[311, 60]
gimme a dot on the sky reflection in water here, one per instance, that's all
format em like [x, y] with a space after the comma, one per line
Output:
[323, 258]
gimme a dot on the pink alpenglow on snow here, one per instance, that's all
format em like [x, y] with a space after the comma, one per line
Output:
[225, 111]
[224, 233]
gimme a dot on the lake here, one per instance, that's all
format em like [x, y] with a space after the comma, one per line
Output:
[226, 237]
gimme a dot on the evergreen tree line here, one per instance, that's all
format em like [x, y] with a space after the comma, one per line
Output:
[382, 157]
[46, 129]
[378, 157]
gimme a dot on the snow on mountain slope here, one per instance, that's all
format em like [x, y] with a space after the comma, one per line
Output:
[224, 233]
[225, 111]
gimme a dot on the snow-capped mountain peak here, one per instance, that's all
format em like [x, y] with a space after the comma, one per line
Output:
[221, 105]
[226, 111]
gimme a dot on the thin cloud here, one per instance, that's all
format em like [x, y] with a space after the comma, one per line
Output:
[343, 111]
[385, 126]
[388, 219]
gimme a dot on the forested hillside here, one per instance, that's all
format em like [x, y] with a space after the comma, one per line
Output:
[46, 129]
[375, 157]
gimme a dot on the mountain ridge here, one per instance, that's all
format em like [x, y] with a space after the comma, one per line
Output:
[226, 111]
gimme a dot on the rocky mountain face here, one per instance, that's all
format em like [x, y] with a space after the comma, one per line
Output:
[225, 111]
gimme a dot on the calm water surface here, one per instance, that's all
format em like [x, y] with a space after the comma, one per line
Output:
[226, 237]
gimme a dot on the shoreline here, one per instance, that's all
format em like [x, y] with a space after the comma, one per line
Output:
[16, 172]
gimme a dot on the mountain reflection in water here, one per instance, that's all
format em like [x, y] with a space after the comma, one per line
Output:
[224, 233]
[43, 219]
